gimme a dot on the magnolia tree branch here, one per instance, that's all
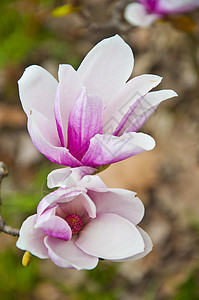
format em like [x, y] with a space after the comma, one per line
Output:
[3, 226]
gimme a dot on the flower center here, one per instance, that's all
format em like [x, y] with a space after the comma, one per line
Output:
[75, 222]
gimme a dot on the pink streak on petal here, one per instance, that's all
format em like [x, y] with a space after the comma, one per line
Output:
[58, 120]
[176, 7]
[145, 109]
[46, 140]
[85, 121]
[53, 225]
[126, 117]
[70, 85]
[133, 90]
[106, 149]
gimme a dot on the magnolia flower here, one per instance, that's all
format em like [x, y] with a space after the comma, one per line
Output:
[90, 116]
[147, 11]
[76, 226]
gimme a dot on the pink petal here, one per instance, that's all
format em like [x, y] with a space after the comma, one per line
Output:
[94, 183]
[107, 67]
[110, 236]
[69, 88]
[145, 109]
[46, 141]
[53, 225]
[58, 119]
[89, 205]
[128, 97]
[60, 178]
[69, 177]
[37, 90]
[85, 121]
[82, 205]
[126, 120]
[44, 126]
[106, 149]
[137, 15]
[58, 196]
[120, 202]
[66, 254]
[173, 6]
[32, 239]
[148, 246]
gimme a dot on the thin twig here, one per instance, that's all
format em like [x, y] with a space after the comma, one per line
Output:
[3, 173]
[193, 51]
[3, 226]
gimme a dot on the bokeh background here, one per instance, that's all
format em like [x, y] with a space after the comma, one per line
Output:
[166, 179]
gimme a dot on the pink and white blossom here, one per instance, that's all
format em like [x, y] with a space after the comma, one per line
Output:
[75, 226]
[90, 117]
[145, 12]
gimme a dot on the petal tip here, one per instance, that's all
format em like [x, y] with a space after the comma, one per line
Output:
[174, 94]
[151, 144]
[158, 79]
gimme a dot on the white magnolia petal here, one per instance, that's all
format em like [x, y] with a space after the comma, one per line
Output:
[82, 205]
[120, 202]
[107, 67]
[133, 90]
[66, 253]
[71, 177]
[85, 121]
[37, 89]
[148, 246]
[45, 140]
[93, 182]
[58, 196]
[53, 225]
[89, 205]
[110, 236]
[106, 149]
[32, 239]
[136, 14]
[59, 178]
[145, 109]
[69, 88]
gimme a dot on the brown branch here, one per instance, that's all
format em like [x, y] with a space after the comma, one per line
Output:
[3, 226]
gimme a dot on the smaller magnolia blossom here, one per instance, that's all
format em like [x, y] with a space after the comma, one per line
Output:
[90, 117]
[75, 226]
[145, 12]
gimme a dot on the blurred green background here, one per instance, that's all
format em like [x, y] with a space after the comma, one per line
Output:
[166, 179]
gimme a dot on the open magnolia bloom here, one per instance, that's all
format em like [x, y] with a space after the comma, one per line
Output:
[146, 12]
[90, 117]
[76, 226]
